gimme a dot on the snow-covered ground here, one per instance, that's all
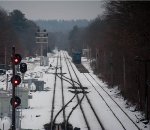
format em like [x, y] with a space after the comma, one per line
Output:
[40, 106]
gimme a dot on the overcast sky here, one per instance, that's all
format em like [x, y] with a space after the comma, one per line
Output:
[55, 9]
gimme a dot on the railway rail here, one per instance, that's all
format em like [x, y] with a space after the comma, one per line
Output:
[125, 126]
[62, 88]
[78, 99]
[64, 125]
[83, 96]
[88, 100]
[113, 101]
[53, 100]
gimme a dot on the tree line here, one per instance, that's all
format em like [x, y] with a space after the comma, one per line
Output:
[61, 25]
[119, 44]
[16, 30]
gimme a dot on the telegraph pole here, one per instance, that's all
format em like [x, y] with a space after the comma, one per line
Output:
[5, 58]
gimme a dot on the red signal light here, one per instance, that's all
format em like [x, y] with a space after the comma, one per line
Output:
[15, 102]
[16, 59]
[16, 80]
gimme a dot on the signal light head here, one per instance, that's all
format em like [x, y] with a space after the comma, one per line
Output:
[16, 59]
[23, 67]
[15, 102]
[16, 80]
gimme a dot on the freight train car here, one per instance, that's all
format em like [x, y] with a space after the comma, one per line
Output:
[76, 57]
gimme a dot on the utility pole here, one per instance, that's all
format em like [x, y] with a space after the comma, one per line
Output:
[111, 69]
[97, 59]
[5, 58]
[6, 82]
[124, 74]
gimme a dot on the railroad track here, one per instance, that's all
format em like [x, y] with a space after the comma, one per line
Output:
[86, 99]
[125, 125]
[129, 124]
[54, 116]
[63, 100]
[101, 127]
[78, 99]
[53, 100]
[62, 88]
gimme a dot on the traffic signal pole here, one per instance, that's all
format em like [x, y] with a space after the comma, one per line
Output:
[13, 93]
[16, 80]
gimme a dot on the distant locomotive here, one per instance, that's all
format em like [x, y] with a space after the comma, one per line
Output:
[76, 57]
